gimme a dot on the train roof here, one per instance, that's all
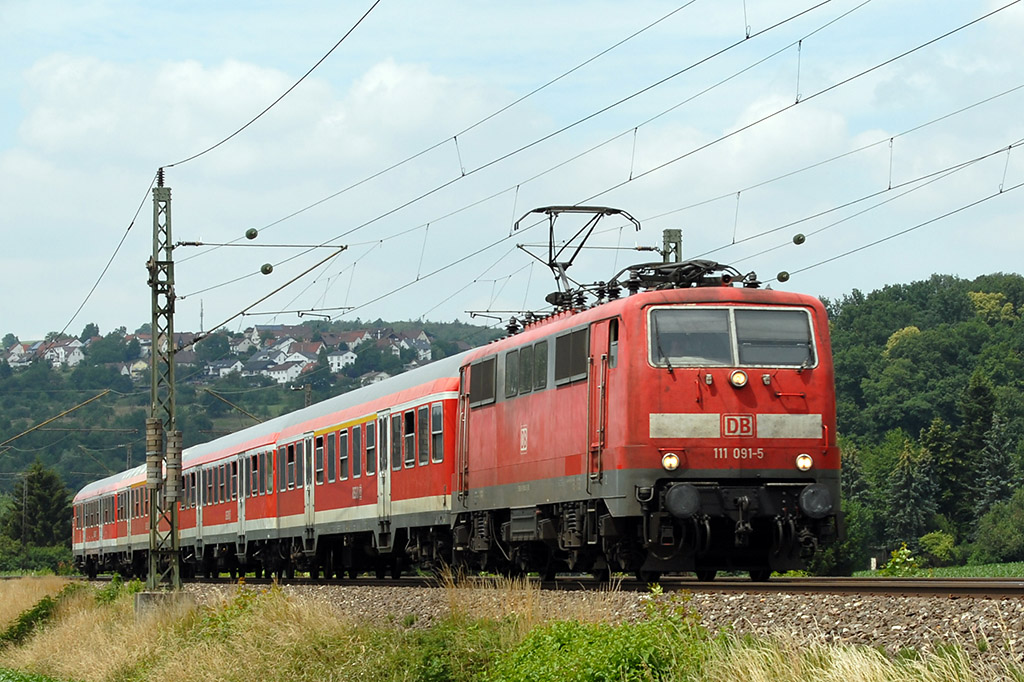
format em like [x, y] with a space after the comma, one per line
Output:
[269, 431]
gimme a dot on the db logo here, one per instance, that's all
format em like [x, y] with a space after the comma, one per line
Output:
[738, 425]
[522, 440]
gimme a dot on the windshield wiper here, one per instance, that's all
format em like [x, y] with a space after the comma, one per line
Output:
[657, 341]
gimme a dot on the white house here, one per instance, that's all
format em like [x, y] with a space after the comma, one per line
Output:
[373, 378]
[285, 372]
[339, 360]
[67, 352]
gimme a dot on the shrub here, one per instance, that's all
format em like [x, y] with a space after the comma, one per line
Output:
[937, 549]
[901, 563]
[1000, 535]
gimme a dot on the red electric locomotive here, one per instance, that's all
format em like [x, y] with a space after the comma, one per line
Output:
[687, 426]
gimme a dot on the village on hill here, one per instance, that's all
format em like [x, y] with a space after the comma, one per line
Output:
[282, 353]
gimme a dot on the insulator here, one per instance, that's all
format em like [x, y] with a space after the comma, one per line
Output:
[513, 326]
[154, 452]
[613, 292]
[581, 299]
[633, 283]
[172, 488]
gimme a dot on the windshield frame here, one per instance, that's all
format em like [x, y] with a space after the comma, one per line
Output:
[670, 362]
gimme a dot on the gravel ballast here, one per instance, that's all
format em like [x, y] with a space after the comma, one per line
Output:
[982, 626]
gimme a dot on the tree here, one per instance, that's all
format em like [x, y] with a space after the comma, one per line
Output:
[88, 332]
[40, 509]
[994, 480]
[975, 409]
[950, 473]
[911, 498]
[9, 340]
[214, 347]
[108, 349]
[321, 378]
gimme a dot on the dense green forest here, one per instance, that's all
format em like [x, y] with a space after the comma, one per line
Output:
[928, 377]
[931, 420]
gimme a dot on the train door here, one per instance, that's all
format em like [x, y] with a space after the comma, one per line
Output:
[242, 474]
[307, 454]
[383, 480]
[460, 484]
[604, 338]
[125, 510]
[201, 475]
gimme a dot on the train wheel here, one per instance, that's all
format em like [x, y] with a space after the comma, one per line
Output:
[289, 572]
[380, 571]
[602, 575]
[760, 575]
[706, 575]
[396, 570]
[648, 576]
[352, 573]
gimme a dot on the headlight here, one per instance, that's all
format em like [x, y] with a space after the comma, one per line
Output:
[738, 378]
[670, 461]
[804, 462]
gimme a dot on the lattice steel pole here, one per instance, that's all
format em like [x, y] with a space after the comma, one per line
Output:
[672, 246]
[163, 440]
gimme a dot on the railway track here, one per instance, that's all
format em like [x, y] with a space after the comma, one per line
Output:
[983, 588]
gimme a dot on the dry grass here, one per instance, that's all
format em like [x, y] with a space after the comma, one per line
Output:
[90, 641]
[262, 636]
[524, 601]
[783, 659]
[20, 594]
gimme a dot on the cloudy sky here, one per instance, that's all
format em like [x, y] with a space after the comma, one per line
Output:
[897, 162]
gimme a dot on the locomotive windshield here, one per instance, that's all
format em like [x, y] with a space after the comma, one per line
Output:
[717, 337]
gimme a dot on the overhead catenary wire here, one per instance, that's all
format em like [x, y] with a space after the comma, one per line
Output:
[544, 138]
[515, 188]
[918, 226]
[708, 144]
[784, 109]
[480, 122]
[285, 94]
[925, 180]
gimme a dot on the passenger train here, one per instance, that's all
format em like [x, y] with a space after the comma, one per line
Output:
[685, 426]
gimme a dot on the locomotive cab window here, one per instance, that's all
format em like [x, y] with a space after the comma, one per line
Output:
[729, 337]
[774, 337]
[482, 382]
[511, 373]
[540, 366]
[571, 352]
[526, 370]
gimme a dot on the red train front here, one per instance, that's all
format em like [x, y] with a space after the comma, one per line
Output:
[687, 428]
